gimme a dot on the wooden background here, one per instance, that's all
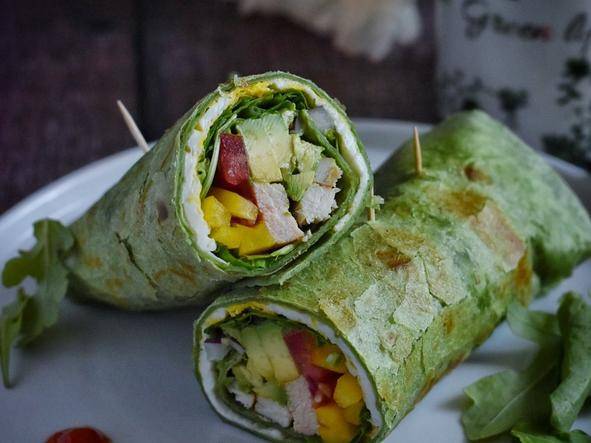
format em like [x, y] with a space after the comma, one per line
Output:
[64, 64]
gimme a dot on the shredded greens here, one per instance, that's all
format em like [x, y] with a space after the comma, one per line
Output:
[551, 390]
[26, 317]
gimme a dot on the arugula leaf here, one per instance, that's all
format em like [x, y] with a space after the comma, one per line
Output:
[501, 400]
[527, 435]
[311, 133]
[10, 326]
[27, 317]
[539, 327]
[567, 400]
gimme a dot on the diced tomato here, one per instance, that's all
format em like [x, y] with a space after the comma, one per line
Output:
[79, 435]
[232, 170]
[321, 381]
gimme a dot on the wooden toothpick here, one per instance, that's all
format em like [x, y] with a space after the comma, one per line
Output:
[372, 211]
[418, 153]
[135, 131]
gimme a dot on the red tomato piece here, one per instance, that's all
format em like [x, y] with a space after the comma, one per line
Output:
[79, 435]
[232, 169]
[320, 381]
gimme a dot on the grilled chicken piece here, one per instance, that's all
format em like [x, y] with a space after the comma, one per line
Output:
[299, 404]
[316, 204]
[273, 411]
[273, 203]
[327, 173]
[245, 399]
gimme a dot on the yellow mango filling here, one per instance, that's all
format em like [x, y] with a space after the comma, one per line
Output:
[215, 213]
[347, 391]
[237, 205]
[332, 425]
[329, 357]
[219, 208]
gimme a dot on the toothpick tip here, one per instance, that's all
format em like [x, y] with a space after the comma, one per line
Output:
[417, 151]
[132, 126]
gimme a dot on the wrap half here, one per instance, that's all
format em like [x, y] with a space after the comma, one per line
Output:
[257, 178]
[342, 351]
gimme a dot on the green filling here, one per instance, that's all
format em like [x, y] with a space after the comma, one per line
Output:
[258, 333]
[287, 104]
[268, 144]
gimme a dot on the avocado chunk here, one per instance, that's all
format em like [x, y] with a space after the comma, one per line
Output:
[272, 391]
[271, 337]
[307, 156]
[246, 379]
[268, 146]
[306, 159]
[258, 362]
[252, 382]
[296, 185]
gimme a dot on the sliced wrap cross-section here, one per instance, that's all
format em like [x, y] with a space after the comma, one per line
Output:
[259, 177]
[366, 330]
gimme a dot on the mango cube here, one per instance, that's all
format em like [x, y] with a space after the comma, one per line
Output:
[333, 426]
[352, 413]
[329, 357]
[255, 239]
[343, 434]
[216, 215]
[229, 236]
[237, 205]
[347, 391]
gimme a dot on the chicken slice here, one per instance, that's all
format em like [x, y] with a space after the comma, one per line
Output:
[273, 203]
[327, 173]
[316, 204]
[273, 411]
[299, 404]
[244, 398]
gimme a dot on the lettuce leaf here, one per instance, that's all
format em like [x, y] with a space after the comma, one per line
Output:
[525, 434]
[502, 400]
[567, 400]
[550, 392]
[540, 327]
[27, 317]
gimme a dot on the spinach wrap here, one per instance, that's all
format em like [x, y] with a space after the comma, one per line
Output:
[259, 176]
[342, 351]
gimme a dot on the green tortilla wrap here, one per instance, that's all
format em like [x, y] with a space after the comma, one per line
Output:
[146, 245]
[404, 298]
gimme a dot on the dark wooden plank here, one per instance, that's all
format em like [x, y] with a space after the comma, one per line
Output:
[65, 63]
[63, 66]
[189, 47]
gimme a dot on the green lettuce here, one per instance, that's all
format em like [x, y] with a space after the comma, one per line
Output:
[551, 390]
[540, 327]
[26, 317]
[526, 433]
[574, 316]
[502, 400]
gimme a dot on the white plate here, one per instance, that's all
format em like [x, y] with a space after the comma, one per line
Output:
[131, 375]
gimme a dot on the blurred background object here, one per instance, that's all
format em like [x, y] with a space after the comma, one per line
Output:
[64, 65]
[368, 27]
[525, 62]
